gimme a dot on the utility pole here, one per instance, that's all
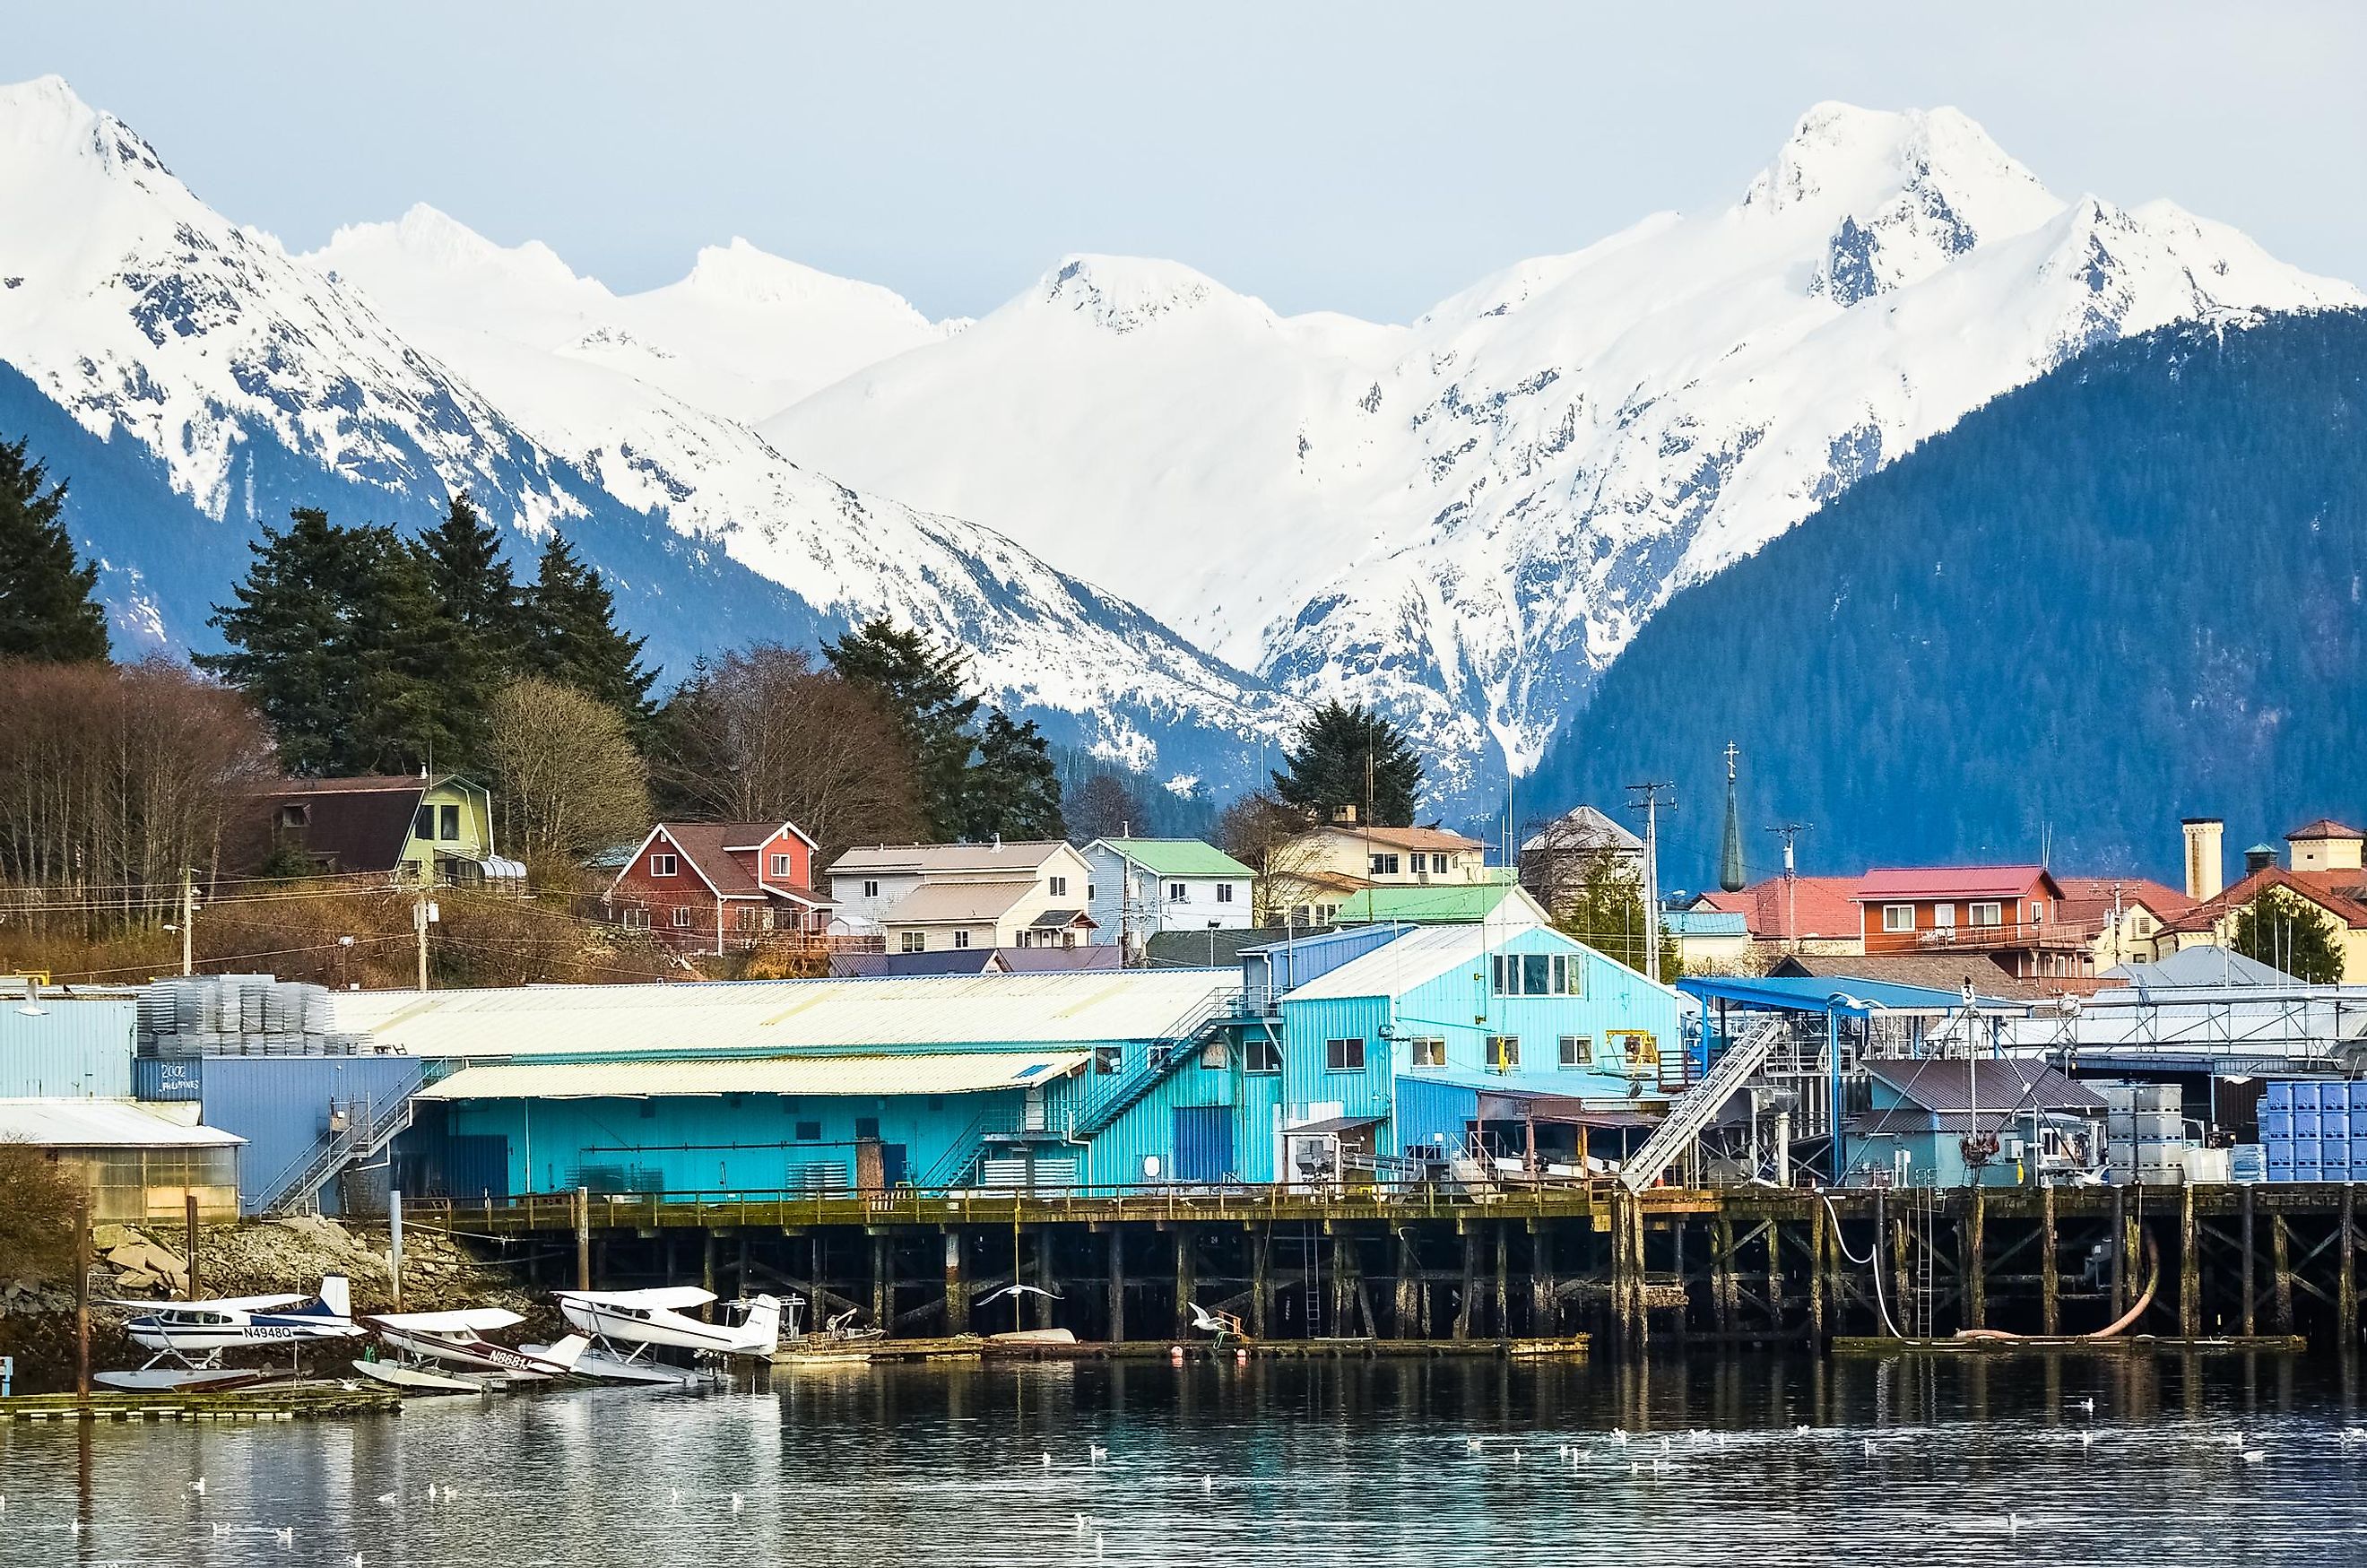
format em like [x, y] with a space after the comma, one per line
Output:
[189, 914]
[1788, 832]
[1649, 801]
[422, 915]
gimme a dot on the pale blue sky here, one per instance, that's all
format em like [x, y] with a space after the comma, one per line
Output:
[1370, 158]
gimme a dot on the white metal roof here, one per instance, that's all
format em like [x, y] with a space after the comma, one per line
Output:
[1033, 1009]
[1423, 954]
[104, 1123]
[1020, 856]
[967, 1072]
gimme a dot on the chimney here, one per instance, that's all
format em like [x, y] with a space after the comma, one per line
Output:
[2205, 860]
[1345, 816]
[2258, 858]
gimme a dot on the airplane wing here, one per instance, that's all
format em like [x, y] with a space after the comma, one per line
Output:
[664, 1298]
[218, 1303]
[472, 1320]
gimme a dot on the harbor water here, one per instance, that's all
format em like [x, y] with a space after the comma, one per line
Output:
[1766, 1459]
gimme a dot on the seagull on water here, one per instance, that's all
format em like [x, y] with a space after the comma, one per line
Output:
[738, 1501]
[1080, 1523]
[1097, 1452]
[198, 1486]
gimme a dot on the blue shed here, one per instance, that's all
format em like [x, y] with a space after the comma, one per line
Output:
[55, 1046]
[297, 1113]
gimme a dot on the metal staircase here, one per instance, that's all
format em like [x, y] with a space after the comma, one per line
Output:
[1692, 1111]
[1182, 1042]
[360, 1129]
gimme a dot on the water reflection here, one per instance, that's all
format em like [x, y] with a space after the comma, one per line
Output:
[1903, 1462]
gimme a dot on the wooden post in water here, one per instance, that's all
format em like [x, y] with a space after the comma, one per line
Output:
[1408, 1306]
[957, 1286]
[1639, 1276]
[1817, 1242]
[1774, 1275]
[82, 1298]
[1116, 1283]
[189, 1247]
[2050, 1266]
[1977, 1262]
[2120, 1255]
[1504, 1279]
[707, 1270]
[1186, 1285]
[1470, 1281]
[1902, 1278]
[2189, 1266]
[2281, 1272]
[2249, 1291]
[1261, 1280]
[582, 1238]
[2346, 1277]
[1545, 1302]
[1721, 1271]
[883, 1280]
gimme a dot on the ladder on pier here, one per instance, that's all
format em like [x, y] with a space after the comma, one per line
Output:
[1690, 1113]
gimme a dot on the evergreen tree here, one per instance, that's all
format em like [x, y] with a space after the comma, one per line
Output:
[2288, 933]
[472, 578]
[420, 681]
[1607, 913]
[46, 609]
[1348, 755]
[1013, 791]
[926, 689]
[289, 641]
[572, 637]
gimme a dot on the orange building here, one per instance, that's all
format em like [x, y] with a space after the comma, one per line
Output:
[2012, 914]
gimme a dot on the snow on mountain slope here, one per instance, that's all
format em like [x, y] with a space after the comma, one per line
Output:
[1468, 518]
[190, 345]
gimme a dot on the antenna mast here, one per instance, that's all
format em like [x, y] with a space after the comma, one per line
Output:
[1789, 831]
[1647, 800]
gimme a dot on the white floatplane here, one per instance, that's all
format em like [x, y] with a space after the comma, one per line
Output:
[644, 1319]
[458, 1338]
[189, 1337]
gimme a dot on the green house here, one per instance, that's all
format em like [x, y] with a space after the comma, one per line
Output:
[416, 829]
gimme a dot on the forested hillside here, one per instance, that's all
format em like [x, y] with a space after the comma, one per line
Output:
[2133, 590]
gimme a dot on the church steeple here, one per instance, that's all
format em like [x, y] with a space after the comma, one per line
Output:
[1729, 859]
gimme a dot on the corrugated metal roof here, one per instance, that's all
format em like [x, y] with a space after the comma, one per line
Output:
[1422, 954]
[967, 1072]
[1019, 855]
[1947, 881]
[1500, 900]
[1077, 1008]
[104, 1123]
[1175, 857]
[956, 903]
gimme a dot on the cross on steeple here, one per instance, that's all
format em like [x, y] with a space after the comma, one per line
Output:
[1730, 755]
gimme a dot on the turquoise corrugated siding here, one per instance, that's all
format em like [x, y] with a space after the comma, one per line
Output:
[1432, 1113]
[75, 1049]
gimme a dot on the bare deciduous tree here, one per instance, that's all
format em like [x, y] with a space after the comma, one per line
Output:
[114, 778]
[1271, 837]
[1103, 808]
[566, 780]
[761, 736]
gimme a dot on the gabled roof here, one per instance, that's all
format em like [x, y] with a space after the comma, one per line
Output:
[1446, 903]
[1580, 829]
[1943, 972]
[1420, 955]
[104, 1123]
[1986, 1084]
[1425, 839]
[1017, 856]
[2324, 827]
[703, 847]
[1951, 882]
[956, 903]
[2089, 898]
[1174, 857]
[1826, 909]
[2191, 966]
[2341, 893]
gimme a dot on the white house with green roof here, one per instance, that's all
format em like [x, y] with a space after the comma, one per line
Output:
[1143, 886]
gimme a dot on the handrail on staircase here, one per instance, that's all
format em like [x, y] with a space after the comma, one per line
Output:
[1164, 1056]
[1691, 1111]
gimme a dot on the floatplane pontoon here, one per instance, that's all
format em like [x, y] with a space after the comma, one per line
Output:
[458, 1339]
[646, 1319]
[191, 1337]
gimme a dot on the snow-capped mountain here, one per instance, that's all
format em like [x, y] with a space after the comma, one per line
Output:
[191, 378]
[1468, 517]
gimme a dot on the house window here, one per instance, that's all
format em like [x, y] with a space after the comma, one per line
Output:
[780, 867]
[636, 918]
[1068, 939]
[1898, 917]
[749, 920]
[871, 890]
[1259, 1055]
[448, 822]
[1178, 893]
[2038, 911]
[1107, 1059]
[681, 916]
[1223, 892]
[1943, 917]
[808, 1131]
[1503, 1053]
[1537, 974]
[912, 941]
[1343, 1056]
[1026, 939]
[961, 938]
[295, 815]
[663, 865]
[1385, 865]
[1985, 914]
[1577, 1051]
[868, 1128]
[1060, 886]
[1427, 1052]
[423, 822]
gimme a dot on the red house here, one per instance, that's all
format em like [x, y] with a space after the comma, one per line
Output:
[717, 884]
[2011, 913]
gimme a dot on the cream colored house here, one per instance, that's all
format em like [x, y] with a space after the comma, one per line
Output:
[1309, 879]
[942, 897]
[2326, 872]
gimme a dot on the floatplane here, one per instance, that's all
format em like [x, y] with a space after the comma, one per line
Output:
[191, 1337]
[644, 1320]
[458, 1339]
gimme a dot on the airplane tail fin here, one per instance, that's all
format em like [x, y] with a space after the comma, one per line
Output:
[762, 1331]
[337, 1296]
[564, 1353]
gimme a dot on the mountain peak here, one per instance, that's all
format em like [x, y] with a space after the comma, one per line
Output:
[409, 256]
[744, 274]
[1843, 161]
[1126, 293]
[46, 116]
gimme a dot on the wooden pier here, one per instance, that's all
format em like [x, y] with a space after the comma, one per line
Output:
[1419, 1264]
[290, 1402]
